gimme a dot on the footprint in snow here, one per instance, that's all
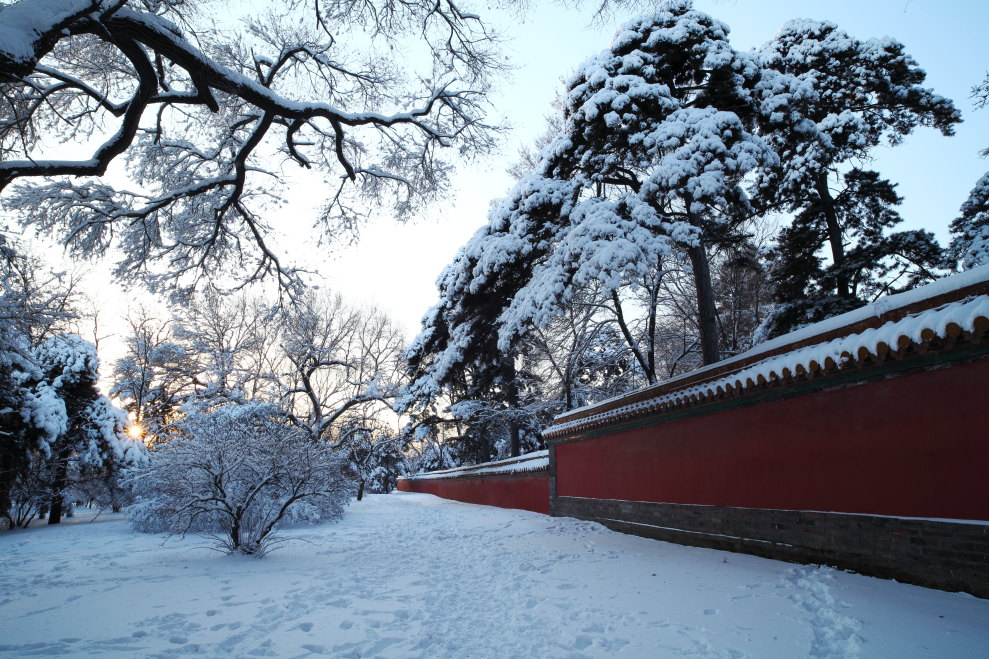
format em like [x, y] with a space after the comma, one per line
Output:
[835, 634]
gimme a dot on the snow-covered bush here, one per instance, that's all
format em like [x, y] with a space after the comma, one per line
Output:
[376, 457]
[106, 492]
[29, 493]
[237, 474]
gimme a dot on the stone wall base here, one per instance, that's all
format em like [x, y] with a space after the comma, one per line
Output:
[946, 555]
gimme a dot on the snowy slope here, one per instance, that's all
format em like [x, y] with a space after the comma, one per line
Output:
[411, 575]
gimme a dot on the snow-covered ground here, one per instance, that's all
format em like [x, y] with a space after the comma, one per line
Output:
[411, 575]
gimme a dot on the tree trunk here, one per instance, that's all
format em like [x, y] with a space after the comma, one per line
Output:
[58, 484]
[707, 315]
[834, 232]
[516, 438]
[55, 514]
[648, 366]
[235, 532]
[512, 398]
[360, 489]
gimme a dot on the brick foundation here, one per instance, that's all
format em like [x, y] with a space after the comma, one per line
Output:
[947, 555]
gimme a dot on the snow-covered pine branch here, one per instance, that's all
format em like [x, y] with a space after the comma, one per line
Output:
[970, 230]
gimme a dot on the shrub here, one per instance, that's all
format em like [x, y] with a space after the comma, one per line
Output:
[236, 474]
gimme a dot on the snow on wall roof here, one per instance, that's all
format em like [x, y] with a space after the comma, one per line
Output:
[946, 310]
[535, 461]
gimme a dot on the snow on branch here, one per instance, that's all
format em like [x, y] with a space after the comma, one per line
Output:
[201, 119]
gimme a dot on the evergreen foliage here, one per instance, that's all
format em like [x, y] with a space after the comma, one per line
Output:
[970, 230]
[638, 216]
[874, 262]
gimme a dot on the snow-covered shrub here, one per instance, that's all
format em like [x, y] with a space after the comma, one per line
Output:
[29, 492]
[236, 475]
[87, 438]
[376, 457]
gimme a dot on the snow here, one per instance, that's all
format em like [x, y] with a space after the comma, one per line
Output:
[44, 410]
[411, 575]
[23, 23]
[535, 461]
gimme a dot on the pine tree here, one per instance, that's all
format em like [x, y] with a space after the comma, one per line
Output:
[650, 158]
[874, 261]
[826, 98]
[32, 304]
[666, 114]
[93, 438]
[970, 230]
[459, 349]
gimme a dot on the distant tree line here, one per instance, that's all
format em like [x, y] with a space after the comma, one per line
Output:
[331, 369]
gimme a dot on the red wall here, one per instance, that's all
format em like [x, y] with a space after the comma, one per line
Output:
[528, 492]
[915, 445]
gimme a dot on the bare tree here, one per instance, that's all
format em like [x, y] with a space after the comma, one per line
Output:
[151, 378]
[198, 117]
[340, 361]
[228, 341]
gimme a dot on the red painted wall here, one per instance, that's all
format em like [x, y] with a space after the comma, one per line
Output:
[915, 445]
[527, 492]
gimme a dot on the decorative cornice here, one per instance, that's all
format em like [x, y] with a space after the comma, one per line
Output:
[943, 323]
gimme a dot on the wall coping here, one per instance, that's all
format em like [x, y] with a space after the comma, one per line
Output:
[526, 465]
[937, 316]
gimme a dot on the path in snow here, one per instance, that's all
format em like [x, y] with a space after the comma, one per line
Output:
[410, 575]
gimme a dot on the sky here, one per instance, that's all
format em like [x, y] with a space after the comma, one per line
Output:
[394, 266]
